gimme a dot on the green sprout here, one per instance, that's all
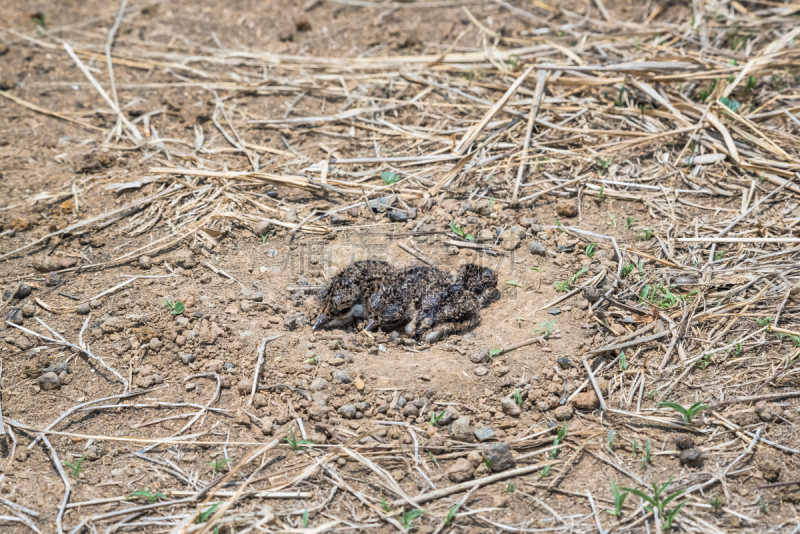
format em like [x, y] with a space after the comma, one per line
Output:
[148, 496]
[658, 504]
[562, 432]
[627, 269]
[436, 418]
[546, 328]
[206, 514]
[688, 413]
[716, 503]
[264, 237]
[460, 232]
[74, 468]
[177, 308]
[511, 487]
[451, 514]
[619, 500]
[305, 518]
[752, 81]
[386, 506]
[623, 365]
[518, 398]
[705, 361]
[629, 221]
[610, 442]
[646, 456]
[219, 465]
[764, 321]
[591, 250]
[647, 235]
[295, 443]
[561, 286]
[762, 504]
[604, 165]
[389, 177]
[407, 518]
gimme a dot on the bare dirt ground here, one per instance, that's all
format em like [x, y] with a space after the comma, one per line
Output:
[178, 179]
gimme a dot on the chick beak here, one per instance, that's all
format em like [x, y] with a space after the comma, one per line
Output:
[321, 320]
[372, 326]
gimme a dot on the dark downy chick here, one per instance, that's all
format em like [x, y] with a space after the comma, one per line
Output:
[449, 311]
[396, 303]
[343, 298]
[480, 281]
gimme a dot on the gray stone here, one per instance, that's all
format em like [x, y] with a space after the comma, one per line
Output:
[538, 249]
[398, 216]
[481, 356]
[290, 324]
[341, 377]
[28, 310]
[554, 311]
[462, 430]
[484, 433]
[410, 410]
[49, 382]
[564, 363]
[510, 407]
[14, 316]
[156, 344]
[24, 291]
[83, 309]
[318, 384]
[112, 325]
[481, 370]
[499, 457]
[261, 228]
[255, 295]
[461, 471]
[348, 411]
[145, 262]
[94, 452]
[691, 458]
[187, 358]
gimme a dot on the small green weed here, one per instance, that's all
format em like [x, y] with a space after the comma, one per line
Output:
[177, 308]
[148, 496]
[389, 177]
[518, 398]
[610, 441]
[296, 444]
[451, 514]
[647, 452]
[619, 501]
[219, 465]
[659, 503]
[762, 504]
[647, 235]
[623, 365]
[591, 250]
[511, 487]
[75, 467]
[546, 329]
[562, 433]
[460, 232]
[604, 165]
[629, 221]
[436, 418]
[688, 413]
[385, 506]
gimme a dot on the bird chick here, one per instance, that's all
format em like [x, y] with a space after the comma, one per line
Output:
[396, 303]
[343, 298]
[452, 310]
[480, 281]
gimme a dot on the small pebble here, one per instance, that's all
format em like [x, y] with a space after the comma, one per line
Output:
[187, 358]
[49, 382]
[52, 279]
[145, 262]
[83, 309]
[691, 458]
[554, 311]
[24, 291]
[481, 371]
